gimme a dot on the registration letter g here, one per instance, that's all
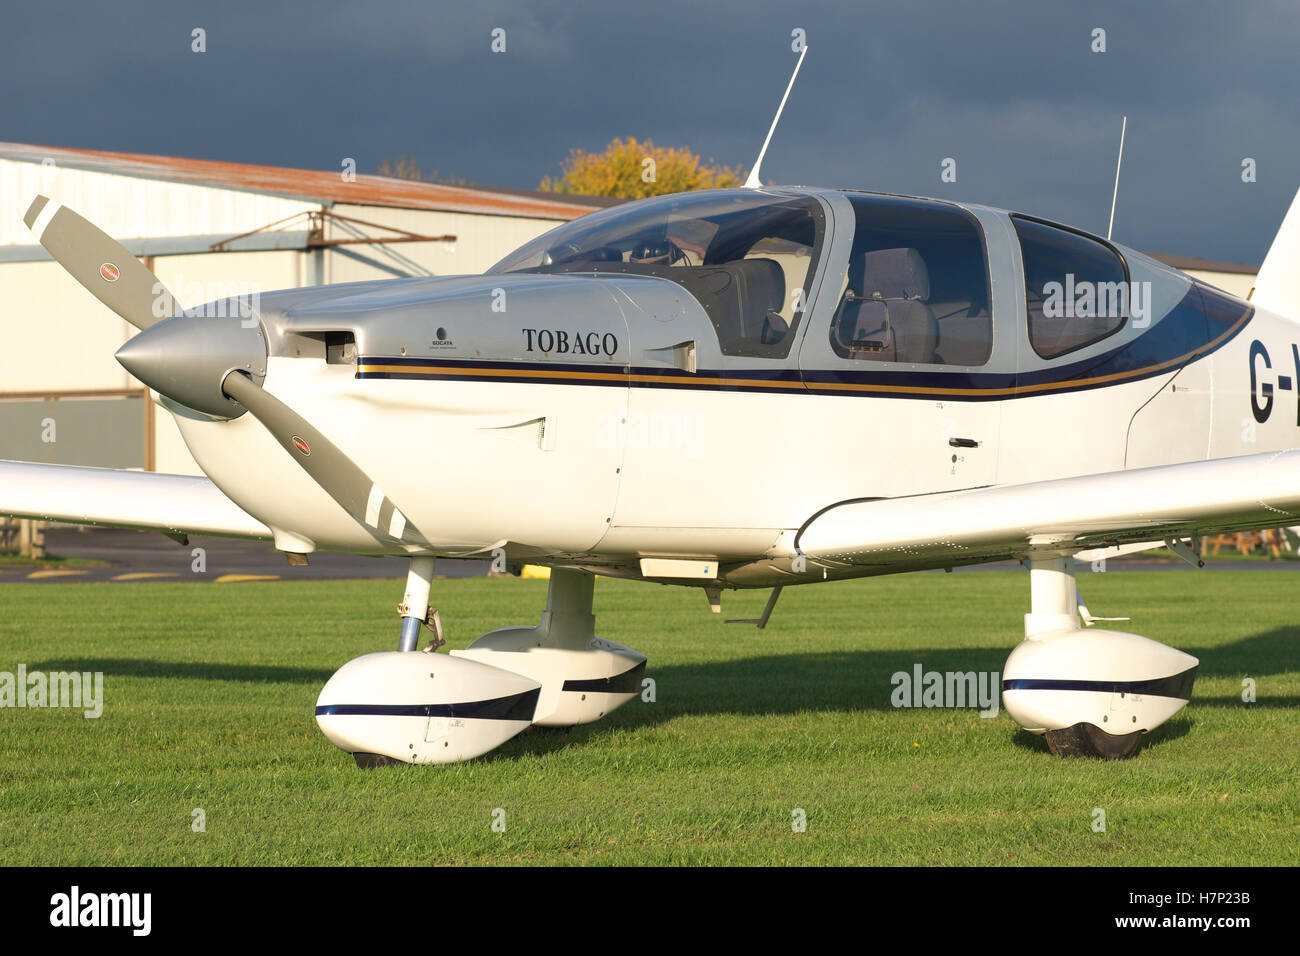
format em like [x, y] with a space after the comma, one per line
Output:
[1260, 409]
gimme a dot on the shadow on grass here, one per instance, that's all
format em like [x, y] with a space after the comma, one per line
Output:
[784, 684]
[771, 684]
[1270, 652]
[187, 670]
[1027, 741]
[831, 688]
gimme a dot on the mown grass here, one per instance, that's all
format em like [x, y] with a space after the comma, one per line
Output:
[210, 692]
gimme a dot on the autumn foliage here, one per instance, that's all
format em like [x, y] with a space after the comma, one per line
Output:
[633, 169]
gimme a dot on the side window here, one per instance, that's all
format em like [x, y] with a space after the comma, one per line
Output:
[1076, 288]
[917, 289]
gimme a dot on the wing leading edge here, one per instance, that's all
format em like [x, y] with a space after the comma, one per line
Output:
[1064, 515]
[179, 504]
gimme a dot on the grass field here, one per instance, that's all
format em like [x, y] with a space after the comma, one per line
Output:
[209, 695]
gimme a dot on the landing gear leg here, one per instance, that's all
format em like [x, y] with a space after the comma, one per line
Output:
[1053, 597]
[1054, 608]
[415, 603]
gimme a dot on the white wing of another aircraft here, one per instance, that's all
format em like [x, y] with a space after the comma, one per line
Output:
[175, 504]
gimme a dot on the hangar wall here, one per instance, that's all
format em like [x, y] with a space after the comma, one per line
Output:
[481, 241]
[132, 206]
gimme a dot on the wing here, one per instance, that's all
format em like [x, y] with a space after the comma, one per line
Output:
[1064, 515]
[177, 504]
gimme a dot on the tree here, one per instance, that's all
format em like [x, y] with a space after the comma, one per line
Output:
[409, 168]
[635, 170]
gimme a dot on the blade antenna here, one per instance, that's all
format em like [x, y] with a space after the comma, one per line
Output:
[1115, 195]
[753, 181]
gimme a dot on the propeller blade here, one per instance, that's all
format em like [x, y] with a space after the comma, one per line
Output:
[329, 467]
[101, 264]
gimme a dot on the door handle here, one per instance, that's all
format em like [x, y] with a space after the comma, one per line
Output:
[963, 443]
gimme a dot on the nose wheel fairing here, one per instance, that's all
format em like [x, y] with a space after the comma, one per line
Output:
[413, 707]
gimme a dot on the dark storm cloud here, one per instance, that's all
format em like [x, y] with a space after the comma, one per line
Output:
[1010, 90]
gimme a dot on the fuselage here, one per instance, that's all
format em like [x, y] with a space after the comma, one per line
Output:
[704, 386]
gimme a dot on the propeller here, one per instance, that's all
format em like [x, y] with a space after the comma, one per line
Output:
[101, 264]
[214, 365]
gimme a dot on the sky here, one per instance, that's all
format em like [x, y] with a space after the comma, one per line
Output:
[1011, 90]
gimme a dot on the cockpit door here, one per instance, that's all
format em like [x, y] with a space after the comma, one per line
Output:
[717, 406]
[695, 421]
[910, 361]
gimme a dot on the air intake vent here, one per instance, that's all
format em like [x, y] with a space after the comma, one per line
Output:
[340, 348]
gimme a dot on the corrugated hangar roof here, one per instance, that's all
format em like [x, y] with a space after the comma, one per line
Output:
[312, 185]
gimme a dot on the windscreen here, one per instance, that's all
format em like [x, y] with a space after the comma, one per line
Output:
[746, 255]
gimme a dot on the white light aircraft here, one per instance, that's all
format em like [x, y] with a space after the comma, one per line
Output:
[748, 388]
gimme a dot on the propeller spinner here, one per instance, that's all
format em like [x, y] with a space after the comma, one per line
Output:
[187, 357]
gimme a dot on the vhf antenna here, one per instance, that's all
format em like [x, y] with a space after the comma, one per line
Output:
[1115, 195]
[753, 181]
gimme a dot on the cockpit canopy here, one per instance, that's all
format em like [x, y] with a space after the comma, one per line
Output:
[747, 256]
[910, 288]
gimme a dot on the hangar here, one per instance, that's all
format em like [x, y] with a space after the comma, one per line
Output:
[208, 230]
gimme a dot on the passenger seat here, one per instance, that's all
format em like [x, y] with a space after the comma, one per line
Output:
[891, 310]
[760, 284]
